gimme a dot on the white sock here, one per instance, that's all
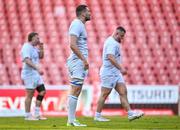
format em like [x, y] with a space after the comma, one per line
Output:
[72, 103]
[97, 114]
[27, 114]
[37, 111]
[130, 112]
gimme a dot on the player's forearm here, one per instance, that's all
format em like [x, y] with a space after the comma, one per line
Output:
[114, 62]
[41, 53]
[41, 50]
[76, 50]
[30, 63]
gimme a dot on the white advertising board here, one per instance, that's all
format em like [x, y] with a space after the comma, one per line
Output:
[144, 94]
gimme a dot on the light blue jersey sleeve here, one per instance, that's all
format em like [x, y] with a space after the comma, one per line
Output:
[26, 52]
[75, 28]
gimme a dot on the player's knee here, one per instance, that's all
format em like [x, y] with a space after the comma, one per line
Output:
[40, 97]
[123, 93]
[76, 91]
[27, 99]
[42, 93]
[29, 96]
[104, 95]
[76, 86]
[121, 89]
[41, 89]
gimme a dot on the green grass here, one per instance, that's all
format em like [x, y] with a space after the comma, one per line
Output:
[116, 123]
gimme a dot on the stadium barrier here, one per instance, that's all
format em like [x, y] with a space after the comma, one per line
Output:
[152, 99]
[54, 104]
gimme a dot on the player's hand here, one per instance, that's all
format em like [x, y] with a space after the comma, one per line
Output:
[86, 65]
[123, 71]
[40, 71]
[41, 45]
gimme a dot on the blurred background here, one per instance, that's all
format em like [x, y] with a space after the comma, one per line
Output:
[151, 51]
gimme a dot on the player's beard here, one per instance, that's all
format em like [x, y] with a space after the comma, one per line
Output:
[119, 40]
[87, 18]
[36, 43]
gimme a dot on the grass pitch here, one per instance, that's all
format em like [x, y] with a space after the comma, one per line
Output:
[116, 123]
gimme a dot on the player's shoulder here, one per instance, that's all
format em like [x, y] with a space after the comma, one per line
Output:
[76, 22]
[110, 38]
[26, 45]
[110, 41]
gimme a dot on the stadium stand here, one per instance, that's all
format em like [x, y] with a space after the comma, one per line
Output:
[152, 44]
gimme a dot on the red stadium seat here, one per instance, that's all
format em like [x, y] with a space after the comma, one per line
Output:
[150, 50]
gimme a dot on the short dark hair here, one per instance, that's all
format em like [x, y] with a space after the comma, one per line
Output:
[31, 35]
[120, 28]
[80, 9]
